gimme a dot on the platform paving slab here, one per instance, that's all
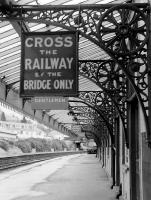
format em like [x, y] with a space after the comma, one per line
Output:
[79, 178]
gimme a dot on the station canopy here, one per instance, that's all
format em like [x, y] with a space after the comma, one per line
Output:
[10, 52]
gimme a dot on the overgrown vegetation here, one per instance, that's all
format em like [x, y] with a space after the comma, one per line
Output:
[30, 144]
[4, 145]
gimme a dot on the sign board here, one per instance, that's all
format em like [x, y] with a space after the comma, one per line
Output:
[49, 64]
[16, 125]
[49, 103]
[76, 128]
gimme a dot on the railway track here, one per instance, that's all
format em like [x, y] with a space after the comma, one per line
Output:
[16, 161]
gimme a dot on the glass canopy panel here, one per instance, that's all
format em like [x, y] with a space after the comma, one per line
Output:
[11, 65]
[10, 73]
[13, 80]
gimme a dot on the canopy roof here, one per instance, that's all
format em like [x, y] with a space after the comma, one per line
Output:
[10, 51]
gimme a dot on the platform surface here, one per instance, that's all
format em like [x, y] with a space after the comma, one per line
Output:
[78, 177]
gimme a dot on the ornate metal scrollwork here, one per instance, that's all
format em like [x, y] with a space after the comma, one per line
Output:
[100, 115]
[107, 75]
[103, 102]
[137, 68]
[93, 99]
[111, 79]
[110, 76]
[123, 29]
[91, 121]
[88, 19]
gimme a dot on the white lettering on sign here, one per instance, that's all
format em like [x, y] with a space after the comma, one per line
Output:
[48, 63]
[63, 84]
[49, 42]
[51, 74]
[50, 100]
[47, 103]
[48, 52]
[37, 84]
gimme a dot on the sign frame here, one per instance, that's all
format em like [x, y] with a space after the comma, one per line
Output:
[74, 66]
[49, 103]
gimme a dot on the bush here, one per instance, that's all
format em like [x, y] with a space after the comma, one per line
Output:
[4, 145]
[24, 145]
[43, 145]
[58, 145]
[40, 145]
[12, 143]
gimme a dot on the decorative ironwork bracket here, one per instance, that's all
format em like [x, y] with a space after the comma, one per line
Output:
[91, 121]
[113, 91]
[94, 108]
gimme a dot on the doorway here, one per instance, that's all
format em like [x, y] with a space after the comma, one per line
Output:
[134, 150]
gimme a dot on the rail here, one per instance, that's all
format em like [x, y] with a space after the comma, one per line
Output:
[16, 161]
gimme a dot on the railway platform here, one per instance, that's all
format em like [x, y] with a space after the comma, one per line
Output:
[74, 177]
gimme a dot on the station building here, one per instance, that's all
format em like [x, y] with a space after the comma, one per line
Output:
[100, 59]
